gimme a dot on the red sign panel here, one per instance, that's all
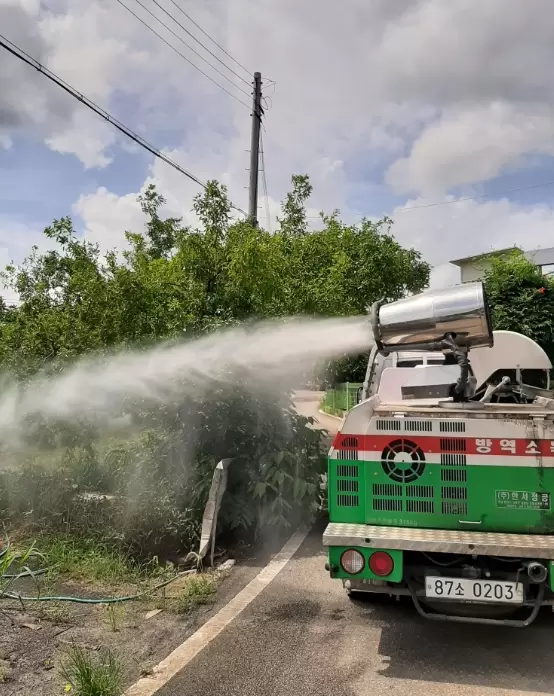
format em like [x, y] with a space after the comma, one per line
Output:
[451, 445]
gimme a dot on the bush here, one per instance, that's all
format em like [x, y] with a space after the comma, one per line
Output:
[145, 495]
[175, 280]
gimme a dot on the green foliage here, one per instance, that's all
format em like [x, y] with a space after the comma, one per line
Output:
[173, 282]
[521, 299]
[92, 560]
[294, 223]
[89, 674]
[197, 590]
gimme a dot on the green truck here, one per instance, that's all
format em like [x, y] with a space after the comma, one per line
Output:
[440, 480]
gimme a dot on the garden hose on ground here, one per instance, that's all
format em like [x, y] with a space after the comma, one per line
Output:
[82, 600]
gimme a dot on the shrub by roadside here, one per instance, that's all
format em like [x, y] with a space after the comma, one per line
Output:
[143, 495]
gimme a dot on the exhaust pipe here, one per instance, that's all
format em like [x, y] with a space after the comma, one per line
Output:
[537, 572]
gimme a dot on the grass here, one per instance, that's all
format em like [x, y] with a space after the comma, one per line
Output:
[92, 675]
[197, 590]
[114, 615]
[93, 561]
[331, 411]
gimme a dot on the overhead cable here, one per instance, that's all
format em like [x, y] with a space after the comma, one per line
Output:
[210, 38]
[247, 83]
[473, 198]
[166, 42]
[26, 58]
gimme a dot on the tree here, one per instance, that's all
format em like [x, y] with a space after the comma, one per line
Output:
[294, 221]
[161, 234]
[176, 280]
[521, 299]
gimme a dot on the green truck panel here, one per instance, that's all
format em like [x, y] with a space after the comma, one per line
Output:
[447, 495]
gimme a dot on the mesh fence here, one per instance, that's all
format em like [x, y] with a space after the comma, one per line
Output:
[341, 398]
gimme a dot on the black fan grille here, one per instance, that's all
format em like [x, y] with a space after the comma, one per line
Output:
[403, 472]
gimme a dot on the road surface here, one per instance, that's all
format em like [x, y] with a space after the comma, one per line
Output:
[307, 404]
[302, 635]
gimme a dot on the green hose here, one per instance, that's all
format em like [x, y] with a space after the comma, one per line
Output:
[26, 574]
[106, 600]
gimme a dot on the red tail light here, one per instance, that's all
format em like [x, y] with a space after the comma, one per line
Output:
[381, 564]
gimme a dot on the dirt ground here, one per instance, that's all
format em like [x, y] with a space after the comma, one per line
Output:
[35, 638]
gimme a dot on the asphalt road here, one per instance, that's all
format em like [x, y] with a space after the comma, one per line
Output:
[302, 635]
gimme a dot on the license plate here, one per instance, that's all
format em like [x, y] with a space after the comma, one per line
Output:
[464, 590]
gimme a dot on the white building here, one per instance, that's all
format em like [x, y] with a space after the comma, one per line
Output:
[474, 267]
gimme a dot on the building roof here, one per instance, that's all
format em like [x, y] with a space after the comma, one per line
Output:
[541, 257]
[495, 252]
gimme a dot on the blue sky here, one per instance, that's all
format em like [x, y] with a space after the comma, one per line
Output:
[390, 104]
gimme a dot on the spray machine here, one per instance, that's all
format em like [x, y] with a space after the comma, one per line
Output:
[441, 477]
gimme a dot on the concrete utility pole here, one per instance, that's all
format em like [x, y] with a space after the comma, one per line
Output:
[255, 149]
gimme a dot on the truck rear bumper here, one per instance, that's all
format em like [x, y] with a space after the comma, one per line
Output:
[440, 541]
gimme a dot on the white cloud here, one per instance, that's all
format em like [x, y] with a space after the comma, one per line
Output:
[107, 217]
[470, 227]
[348, 83]
[471, 146]
[85, 136]
[444, 276]
[439, 93]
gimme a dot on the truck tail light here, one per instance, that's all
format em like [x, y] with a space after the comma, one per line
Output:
[381, 564]
[352, 561]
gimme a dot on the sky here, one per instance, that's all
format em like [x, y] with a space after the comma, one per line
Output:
[438, 114]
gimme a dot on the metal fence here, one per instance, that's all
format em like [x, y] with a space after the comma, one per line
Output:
[341, 398]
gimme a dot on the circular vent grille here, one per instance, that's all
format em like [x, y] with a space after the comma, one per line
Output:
[403, 461]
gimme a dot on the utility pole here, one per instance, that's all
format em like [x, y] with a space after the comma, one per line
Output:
[255, 149]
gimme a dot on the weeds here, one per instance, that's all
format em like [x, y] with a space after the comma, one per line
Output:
[12, 565]
[93, 675]
[197, 590]
[56, 613]
[114, 616]
[142, 496]
[92, 561]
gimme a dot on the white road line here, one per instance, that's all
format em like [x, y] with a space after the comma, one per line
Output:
[188, 650]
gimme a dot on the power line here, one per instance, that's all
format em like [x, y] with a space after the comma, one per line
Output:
[26, 58]
[198, 41]
[166, 42]
[467, 198]
[473, 198]
[264, 183]
[210, 38]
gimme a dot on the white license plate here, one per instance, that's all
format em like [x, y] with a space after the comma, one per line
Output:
[464, 590]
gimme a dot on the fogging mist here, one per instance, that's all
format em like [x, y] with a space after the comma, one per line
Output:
[266, 351]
